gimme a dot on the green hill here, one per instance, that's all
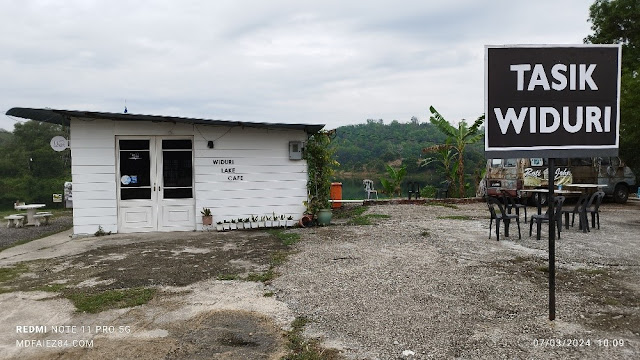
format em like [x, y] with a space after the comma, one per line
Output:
[364, 150]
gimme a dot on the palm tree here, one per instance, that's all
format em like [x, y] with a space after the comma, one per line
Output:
[457, 138]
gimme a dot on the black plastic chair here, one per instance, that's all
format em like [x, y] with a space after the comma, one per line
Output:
[498, 214]
[511, 203]
[582, 201]
[413, 188]
[592, 207]
[539, 219]
[443, 192]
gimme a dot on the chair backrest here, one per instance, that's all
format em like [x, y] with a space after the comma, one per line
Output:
[595, 201]
[582, 201]
[558, 201]
[368, 185]
[508, 199]
[492, 204]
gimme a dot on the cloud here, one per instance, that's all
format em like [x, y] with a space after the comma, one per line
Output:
[333, 62]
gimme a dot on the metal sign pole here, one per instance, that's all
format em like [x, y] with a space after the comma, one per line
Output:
[552, 242]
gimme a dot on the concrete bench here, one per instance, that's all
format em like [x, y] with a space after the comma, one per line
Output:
[42, 218]
[14, 220]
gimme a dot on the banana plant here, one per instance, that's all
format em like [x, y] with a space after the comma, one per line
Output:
[393, 184]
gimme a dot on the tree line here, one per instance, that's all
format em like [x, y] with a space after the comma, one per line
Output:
[30, 171]
[366, 150]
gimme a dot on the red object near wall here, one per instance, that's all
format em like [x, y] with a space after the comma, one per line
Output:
[336, 194]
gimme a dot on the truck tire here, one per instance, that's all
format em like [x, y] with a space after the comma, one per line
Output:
[621, 193]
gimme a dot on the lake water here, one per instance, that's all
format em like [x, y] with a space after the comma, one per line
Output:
[352, 188]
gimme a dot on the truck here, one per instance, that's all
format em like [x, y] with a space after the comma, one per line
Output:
[531, 173]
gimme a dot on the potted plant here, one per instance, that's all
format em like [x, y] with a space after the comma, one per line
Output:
[226, 225]
[290, 221]
[246, 223]
[233, 225]
[219, 226]
[268, 221]
[275, 220]
[207, 218]
[320, 165]
[283, 222]
[254, 221]
[262, 222]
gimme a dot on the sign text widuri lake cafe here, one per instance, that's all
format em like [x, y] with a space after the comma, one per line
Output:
[226, 169]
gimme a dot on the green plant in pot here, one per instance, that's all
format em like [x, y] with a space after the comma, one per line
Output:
[207, 218]
[319, 154]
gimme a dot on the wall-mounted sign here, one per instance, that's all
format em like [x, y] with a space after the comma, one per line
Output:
[230, 171]
[59, 143]
[552, 101]
[57, 198]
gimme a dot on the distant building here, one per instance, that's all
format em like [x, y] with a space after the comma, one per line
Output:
[142, 173]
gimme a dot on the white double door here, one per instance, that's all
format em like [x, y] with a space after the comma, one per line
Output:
[155, 183]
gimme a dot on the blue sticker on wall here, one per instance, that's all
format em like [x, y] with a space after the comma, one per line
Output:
[134, 179]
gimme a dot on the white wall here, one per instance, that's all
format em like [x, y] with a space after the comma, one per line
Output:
[93, 165]
[270, 181]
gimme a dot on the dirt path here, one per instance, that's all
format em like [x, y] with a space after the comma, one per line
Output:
[429, 281]
[192, 315]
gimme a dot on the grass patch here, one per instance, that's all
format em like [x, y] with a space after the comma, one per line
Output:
[450, 206]
[593, 271]
[278, 258]
[611, 301]
[10, 273]
[366, 219]
[306, 349]
[425, 233]
[111, 299]
[349, 212]
[360, 220]
[262, 277]
[456, 217]
[51, 288]
[544, 268]
[378, 216]
[287, 238]
[268, 294]
[519, 260]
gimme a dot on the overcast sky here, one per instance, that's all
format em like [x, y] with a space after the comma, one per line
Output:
[323, 62]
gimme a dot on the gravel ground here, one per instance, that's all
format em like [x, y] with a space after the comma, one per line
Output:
[428, 281]
[9, 236]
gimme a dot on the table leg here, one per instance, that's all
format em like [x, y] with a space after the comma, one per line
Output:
[30, 216]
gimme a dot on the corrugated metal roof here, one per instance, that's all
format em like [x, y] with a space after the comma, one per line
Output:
[62, 117]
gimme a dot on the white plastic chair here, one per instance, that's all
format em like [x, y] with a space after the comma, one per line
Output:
[368, 188]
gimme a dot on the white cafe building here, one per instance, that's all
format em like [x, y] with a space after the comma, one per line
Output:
[143, 173]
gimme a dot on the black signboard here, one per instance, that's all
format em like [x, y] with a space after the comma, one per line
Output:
[552, 101]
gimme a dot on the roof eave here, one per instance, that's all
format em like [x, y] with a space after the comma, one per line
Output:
[63, 117]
